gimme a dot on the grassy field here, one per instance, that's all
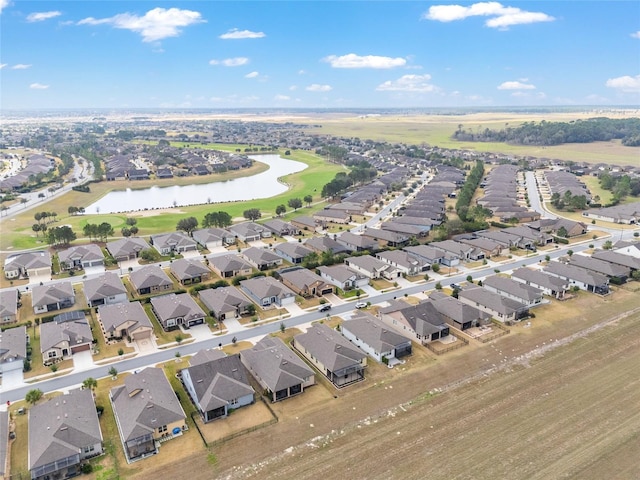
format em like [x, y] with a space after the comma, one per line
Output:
[437, 130]
[17, 233]
[567, 404]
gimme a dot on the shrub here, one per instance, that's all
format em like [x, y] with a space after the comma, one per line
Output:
[86, 467]
[438, 286]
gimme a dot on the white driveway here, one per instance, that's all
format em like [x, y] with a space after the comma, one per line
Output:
[124, 266]
[145, 345]
[36, 280]
[232, 325]
[98, 269]
[82, 361]
[12, 379]
[369, 290]
[200, 332]
[191, 254]
[294, 309]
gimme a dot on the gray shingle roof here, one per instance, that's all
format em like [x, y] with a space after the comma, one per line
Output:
[28, 261]
[223, 299]
[145, 402]
[494, 301]
[228, 263]
[576, 273]
[84, 253]
[275, 364]
[373, 332]
[330, 348]
[127, 246]
[263, 287]
[8, 303]
[187, 268]
[106, 285]
[219, 381]
[536, 277]
[13, 344]
[149, 276]
[112, 316]
[455, 309]
[176, 305]
[76, 332]
[45, 294]
[517, 289]
[204, 356]
[61, 426]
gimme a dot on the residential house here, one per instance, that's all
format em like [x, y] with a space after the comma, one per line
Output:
[174, 242]
[616, 273]
[458, 314]
[357, 243]
[146, 411]
[8, 306]
[556, 226]
[281, 228]
[628, 213]
[372, 267]
[67, 334]
[225, 302]
[13, 349]
[218, 386]
[261, 258]
[579, 277]
[628, 261]
[332, 216]
[267, 291]
[530, 296]
[306, 223]
[55, 296]
[177, 309]
[279, 371]
[509, 240]
[386, 237]
[549, 284]
[375, 337]
[422, 321]
[228, 266]
[106, 289]
[343, 277]
[211, 238]
[125, 320]
[459, 250]
[499, 307]
[432, 255]
[410, 230]
[404, 262]
[63, 432]
[489, 247]
[534, 236]
[189, 271]
[27, 265]
[338, 359]
[250, 231]
[204, 356]
[81, 257]
[292, 252]
[127, 248]
[305, 282]
[326, 244]
[150, 279]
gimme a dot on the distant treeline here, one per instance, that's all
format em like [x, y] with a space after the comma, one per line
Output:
[557, 133]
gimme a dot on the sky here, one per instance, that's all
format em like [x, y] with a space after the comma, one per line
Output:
[318, 54]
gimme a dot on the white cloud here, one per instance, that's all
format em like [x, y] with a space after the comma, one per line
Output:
[21, 66]
[516, 86]
[2, 65]
[408, 83]
[154, 25]
[230, 62]
[352, 60]
[625, 84]
[38, 86]
[41, 16]
[3, 4]
[281, 98]
[235, 34]
[293, 88]
[251, 75]
[636, 34]
[502, 16]
[301, 72]
[318, 88]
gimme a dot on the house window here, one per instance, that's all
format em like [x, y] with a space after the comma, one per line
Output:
[233, 401]
[89, 448]
[53, 354]
[162, 429]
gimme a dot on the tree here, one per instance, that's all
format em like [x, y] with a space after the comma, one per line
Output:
[33, 396]
[216, 219]
[90, 384]
[308, 199]
[179, 338]
[435, 268]
[113, 372]
[134, 230]
[562, 232]
[608, 245]
[252, 214]
[126, 232]
[570, 253]
[131, 221]
[295, 203]
[36, 228]
[187, 225]
[150, 255]
[280, 210]
[105, 230]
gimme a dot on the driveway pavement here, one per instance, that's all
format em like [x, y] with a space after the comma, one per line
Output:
[294, 309]
[232, 325]
[12, 379]
[146, 345]
[200, 332]
[82, 361]
[94, 270]
[191, 254]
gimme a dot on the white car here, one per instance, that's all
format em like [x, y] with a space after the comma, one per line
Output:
[360, 305]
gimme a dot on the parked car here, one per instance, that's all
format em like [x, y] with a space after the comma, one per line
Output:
[455, 286]
[324, 308]
[361, 305]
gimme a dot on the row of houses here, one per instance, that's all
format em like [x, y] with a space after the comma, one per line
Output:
[35, 164]
[503, 195]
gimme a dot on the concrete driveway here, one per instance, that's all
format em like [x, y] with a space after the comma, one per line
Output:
[200, 332]
[191, 254]
[82, 361]
[12, 379]
[294, 309]
[98, 269]
[146, 345]
[36, 280]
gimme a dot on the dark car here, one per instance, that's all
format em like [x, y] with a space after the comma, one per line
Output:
[324, 308]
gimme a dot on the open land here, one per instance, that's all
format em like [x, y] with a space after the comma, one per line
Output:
[549, 401]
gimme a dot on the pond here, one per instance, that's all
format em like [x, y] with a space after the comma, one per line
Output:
[262, 185]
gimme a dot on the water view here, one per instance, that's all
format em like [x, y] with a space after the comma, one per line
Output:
[262, 185]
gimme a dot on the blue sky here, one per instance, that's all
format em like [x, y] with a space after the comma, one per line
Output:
[325, 54]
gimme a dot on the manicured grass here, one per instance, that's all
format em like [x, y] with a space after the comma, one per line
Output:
[308, 182]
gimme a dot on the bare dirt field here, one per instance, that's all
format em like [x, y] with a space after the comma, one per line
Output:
[552, 400]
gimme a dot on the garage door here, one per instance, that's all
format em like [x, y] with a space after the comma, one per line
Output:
[81, 348]
[141, 335]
